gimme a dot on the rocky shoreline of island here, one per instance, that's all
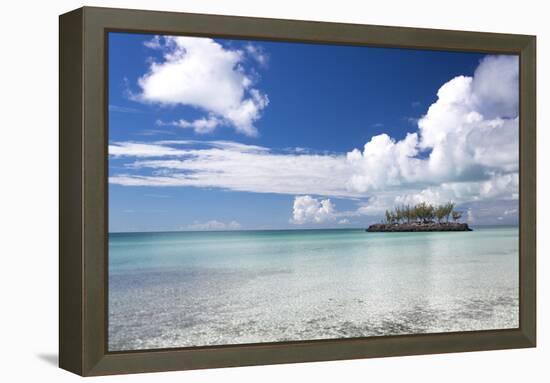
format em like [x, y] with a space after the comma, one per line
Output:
[420, 218]
[418, 227]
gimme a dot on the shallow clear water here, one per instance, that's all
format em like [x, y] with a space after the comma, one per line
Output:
[213, 288]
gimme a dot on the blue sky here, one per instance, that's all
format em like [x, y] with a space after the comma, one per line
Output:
[229, 134]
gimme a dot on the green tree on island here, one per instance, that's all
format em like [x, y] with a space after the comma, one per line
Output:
[457, 215]
[440, 213]
[422, 213]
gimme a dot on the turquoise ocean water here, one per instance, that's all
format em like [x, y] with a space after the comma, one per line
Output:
[211, 288]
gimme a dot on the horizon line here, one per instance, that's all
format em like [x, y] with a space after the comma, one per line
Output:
[251, 230]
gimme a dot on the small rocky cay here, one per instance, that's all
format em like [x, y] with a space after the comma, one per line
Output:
[421, 217]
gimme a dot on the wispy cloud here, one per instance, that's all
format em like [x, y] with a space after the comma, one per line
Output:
[136, 149]
[231, 165]
[201, 125]
[412, 120]
[257, 53]
[213, 225]
[155, 132]
[122, 109]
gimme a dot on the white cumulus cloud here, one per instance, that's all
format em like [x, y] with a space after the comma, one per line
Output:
[201, 73]
[384, 162]
[307, 209]
[469, 134]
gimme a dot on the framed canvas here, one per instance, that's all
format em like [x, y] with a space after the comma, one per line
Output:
[241, 191]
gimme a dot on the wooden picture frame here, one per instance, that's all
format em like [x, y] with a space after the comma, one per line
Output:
[83, 191]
